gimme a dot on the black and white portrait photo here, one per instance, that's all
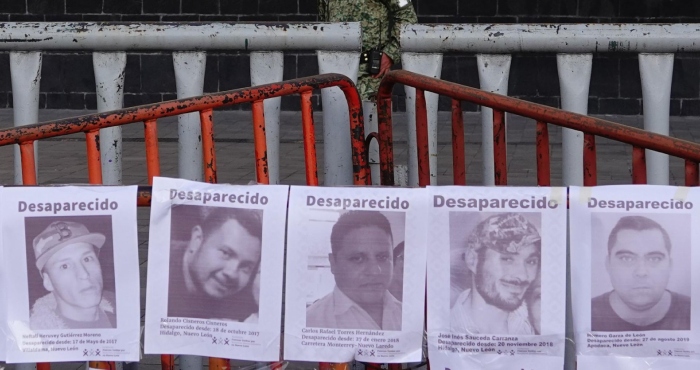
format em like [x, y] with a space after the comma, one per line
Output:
[215, 255]
[70, 265]
[357, 260]
[640, 272]
[495, 272]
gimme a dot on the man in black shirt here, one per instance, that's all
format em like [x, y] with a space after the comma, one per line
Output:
[639, 264]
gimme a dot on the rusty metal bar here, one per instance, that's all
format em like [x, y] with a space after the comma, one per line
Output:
[103, 365]
[43, 366]
[26, 151]
[590, 171]
[499, 148]
[330, 366]
[691, 173]
[395, 367]
[639, 165]
[422, 139]
[307, 122]
[167, 362]
[543, 162]
[92, 141]
[386, 141]
[596, 126]
[360, 165]
[216, 363]
[152, 155]
[176, 107]
[261, 174]
[206, 117]
[459, 166]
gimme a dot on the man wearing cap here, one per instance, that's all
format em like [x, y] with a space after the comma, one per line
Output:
[67, 258]
[503, 256]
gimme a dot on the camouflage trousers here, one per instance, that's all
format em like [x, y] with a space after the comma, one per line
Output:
[367, 85]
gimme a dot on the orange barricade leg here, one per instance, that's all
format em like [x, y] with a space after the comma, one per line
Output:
[103, 365]
[167, 362]
[219, 364]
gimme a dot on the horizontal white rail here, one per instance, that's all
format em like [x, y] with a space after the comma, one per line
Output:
[179, 36]
[556, 38]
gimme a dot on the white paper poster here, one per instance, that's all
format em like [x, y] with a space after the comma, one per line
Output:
[355, 283]
[634, 275]
[3, 296]
[215, 258]
[73, 253]
[496, 277]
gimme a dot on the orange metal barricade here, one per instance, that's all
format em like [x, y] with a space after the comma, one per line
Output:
[25, 136]
[590, 126]
[543, 115]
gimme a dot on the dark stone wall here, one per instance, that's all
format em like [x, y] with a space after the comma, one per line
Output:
[68, 81]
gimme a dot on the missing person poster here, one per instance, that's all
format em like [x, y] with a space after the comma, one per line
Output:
[496, 277]
[3, 297]
[355, 283]
[215, 259]
[634, 274]
[75, 273]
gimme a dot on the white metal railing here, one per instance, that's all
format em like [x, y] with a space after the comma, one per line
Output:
[337, 46]
[574, 44]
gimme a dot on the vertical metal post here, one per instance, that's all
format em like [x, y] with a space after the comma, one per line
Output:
[190, 362]
[25, 72]
[428, 65]
[422, 139]
[267, 67]
[189, 78]
[544, 177]
[574, 82]
[337, 161]
[459, 168]
[656, 71]
[494, 70]
[109, 83]
[369, 110]
[27, 366]
[261, 172]
[307, 118]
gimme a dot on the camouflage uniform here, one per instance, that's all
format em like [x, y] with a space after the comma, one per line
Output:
[381, 22]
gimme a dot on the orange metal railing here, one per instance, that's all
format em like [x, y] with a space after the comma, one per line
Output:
[543, 115]
[25, 136]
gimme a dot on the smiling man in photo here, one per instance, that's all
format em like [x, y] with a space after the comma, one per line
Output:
[362, 264]
[639, 264]
[503, 256]
[67, 258]
[212, 273]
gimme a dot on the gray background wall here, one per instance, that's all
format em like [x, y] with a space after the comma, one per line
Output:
[67, 79]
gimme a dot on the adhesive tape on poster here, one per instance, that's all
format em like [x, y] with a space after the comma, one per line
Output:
[681, 193]
[584, 194]
[557, 194]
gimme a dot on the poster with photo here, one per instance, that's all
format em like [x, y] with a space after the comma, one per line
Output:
[633, 273]
[3, 297]
[496, 277]
[355, 282]
[215, 259]
[75, 268]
